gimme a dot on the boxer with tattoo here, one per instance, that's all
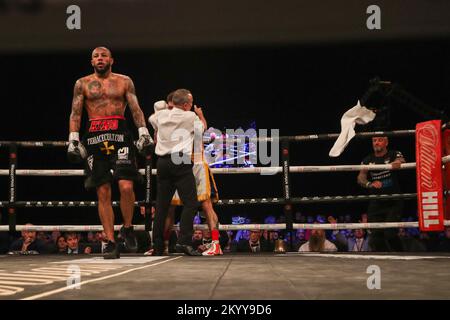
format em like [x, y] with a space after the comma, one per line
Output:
[107, 146]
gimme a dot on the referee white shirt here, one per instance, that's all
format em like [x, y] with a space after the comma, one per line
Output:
[175, 131]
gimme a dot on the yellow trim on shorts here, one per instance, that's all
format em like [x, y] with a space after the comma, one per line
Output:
[216, 193]
[207, 194]
[204, 196]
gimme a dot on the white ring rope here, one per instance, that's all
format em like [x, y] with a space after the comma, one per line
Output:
[261, 170]
[275, 226]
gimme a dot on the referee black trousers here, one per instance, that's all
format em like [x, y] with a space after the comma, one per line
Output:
[173, 177]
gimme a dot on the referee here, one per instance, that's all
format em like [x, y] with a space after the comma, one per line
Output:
[174, 145]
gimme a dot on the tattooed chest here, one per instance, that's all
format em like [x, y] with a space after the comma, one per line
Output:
[111, 89]
[106, 97]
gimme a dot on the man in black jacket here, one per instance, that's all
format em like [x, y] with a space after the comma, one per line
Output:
[29, 242]
[255, 243]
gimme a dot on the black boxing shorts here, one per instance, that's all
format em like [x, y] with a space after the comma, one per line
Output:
[111, 152]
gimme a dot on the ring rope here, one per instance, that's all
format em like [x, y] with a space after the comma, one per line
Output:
[260, 170]
[226, 227]
[309, 137]
[326, 199]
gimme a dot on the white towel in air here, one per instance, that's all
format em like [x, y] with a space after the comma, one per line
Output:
[357, 114]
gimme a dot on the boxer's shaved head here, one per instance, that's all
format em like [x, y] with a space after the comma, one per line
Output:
[102, 49]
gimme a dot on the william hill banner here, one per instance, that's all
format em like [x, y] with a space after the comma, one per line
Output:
[429, 176]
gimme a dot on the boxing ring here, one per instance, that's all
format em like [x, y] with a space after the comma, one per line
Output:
[232, 276]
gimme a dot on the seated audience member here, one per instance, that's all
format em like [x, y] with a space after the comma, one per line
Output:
[318, 243]
[197, 238]
[359, 241]
[205, 241]
[356, 242]
[270, 236]
[75, 247]
[29, 242]
[300, 239]
[100, 236]
[254, 244]
[61, 245]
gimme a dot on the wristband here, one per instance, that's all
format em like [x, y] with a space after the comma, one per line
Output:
[143, 131]
[74, 136]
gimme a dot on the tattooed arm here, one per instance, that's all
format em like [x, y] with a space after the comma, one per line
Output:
[76, 151]
[138, 115]
[77, 107]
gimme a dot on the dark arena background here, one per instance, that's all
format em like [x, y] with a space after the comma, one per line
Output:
[291, 65]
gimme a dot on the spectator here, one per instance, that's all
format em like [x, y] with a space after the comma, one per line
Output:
[299, 239]
[61, 244]
[100, 236]
[318, 243]
[205, 241]
[28, 242]
[75, 247]
[357, 242]
[197, 238]
[270, 237]
[254, 244]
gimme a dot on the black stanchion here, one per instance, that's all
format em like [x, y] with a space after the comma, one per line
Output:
[12, 188]
[286, 189]
[148, 192]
